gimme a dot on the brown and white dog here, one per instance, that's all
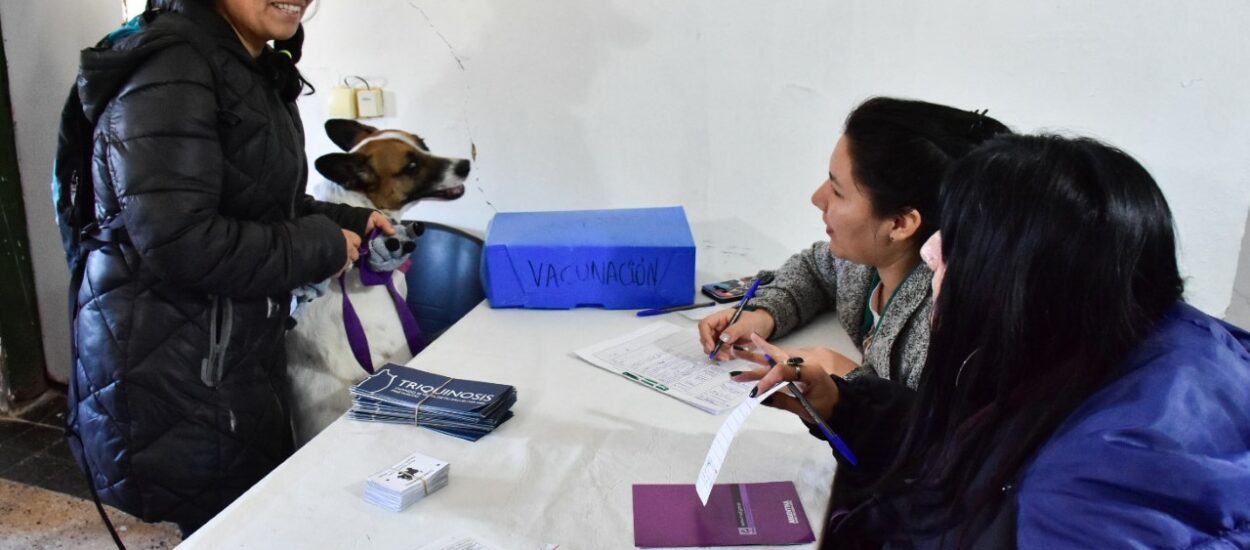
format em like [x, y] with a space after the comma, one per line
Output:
[384, 170]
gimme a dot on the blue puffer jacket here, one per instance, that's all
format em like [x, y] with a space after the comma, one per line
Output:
[1159, 458]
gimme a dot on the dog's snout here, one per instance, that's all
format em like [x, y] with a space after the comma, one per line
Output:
[462, 168]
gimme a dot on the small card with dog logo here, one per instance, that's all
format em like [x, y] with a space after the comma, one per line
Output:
[412, 479]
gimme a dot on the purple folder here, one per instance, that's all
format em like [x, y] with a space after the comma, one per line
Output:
[736, 514]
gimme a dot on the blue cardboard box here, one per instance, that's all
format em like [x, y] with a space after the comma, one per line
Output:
[615, 259]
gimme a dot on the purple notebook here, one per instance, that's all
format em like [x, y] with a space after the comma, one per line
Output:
[736, 514]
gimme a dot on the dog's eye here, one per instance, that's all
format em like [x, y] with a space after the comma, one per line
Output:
[412, 166]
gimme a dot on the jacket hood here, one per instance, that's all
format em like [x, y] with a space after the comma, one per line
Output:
[106, 66]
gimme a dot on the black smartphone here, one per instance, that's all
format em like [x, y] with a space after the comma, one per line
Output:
[734, 289]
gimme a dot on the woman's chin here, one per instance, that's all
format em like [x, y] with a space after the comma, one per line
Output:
[285, 31]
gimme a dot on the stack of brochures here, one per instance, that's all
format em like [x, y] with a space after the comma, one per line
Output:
[467, 409]
[411, 480]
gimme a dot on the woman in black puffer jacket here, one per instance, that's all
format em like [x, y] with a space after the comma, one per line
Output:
[176, 403]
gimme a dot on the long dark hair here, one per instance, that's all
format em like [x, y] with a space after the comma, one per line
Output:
[901, 148]
[279, 63]
[1060, 258]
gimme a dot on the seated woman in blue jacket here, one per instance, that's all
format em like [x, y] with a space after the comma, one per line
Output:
[1070, 397]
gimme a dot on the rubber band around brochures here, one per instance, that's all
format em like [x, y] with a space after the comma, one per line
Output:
[417, 417]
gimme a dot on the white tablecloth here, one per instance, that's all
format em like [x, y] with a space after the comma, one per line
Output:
[560, 472]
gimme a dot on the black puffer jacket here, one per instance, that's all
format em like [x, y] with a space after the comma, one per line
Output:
[203, 164]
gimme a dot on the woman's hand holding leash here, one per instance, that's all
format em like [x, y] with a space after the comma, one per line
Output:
[378, 220]
[353, 249]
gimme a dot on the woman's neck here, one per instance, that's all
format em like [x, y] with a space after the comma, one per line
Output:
[894, 272]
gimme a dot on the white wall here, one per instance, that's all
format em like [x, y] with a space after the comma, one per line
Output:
[1239, 310]
[730, 108]
[42, 39]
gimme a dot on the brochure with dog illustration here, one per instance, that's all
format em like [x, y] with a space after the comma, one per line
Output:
[467, 409]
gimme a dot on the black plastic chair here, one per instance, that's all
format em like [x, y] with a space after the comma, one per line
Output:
[443, 280]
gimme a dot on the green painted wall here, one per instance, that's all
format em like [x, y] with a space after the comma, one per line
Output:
[21, 345]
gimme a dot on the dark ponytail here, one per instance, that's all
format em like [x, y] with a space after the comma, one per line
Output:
[279, 65]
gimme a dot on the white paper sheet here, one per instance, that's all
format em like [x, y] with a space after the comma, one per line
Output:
[668, 358]
[458, 542]
[724, 437]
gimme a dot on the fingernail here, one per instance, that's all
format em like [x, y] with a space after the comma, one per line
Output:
[723, 337]
[793, 361]
[754, 391]
[734, 372]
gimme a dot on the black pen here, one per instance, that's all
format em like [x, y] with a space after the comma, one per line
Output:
[741, 305]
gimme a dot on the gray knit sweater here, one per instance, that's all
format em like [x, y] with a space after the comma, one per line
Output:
[815, 281]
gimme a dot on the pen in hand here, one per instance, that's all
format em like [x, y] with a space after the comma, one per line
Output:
[737, 313]
[833, 438]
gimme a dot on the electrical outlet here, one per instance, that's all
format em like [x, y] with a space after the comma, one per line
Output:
[369, 103]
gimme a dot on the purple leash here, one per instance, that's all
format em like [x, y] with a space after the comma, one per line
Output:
[351, 321]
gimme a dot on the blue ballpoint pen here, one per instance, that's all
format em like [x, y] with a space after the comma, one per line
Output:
[745, 297]
[670, 309]
[820, 422]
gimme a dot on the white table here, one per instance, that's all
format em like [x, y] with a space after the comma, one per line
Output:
[559, 472]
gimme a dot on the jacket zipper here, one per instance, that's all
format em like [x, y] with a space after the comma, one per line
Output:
[220, 317]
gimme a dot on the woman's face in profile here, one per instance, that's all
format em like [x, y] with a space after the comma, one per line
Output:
[855, 232]
[931, 254]
[259, 21]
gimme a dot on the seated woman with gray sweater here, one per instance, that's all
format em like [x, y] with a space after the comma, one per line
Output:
[878, 203]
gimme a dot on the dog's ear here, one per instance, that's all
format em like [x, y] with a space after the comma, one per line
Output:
[347, 133]
[350, 170]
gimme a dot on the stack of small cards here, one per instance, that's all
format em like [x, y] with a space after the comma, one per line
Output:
[466, 409]
[411, 480]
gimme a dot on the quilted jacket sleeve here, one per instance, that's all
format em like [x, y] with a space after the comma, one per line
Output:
[352, 218]
[805, 286]
[160, 146]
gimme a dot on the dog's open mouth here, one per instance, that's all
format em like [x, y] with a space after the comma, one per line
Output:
[447, 194]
